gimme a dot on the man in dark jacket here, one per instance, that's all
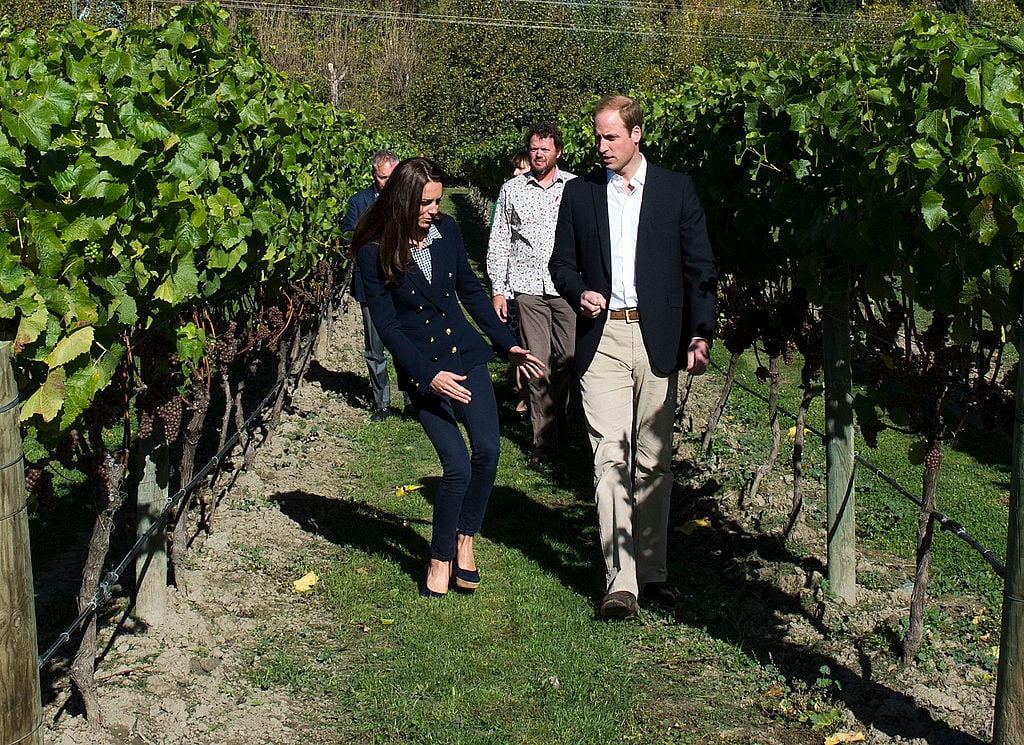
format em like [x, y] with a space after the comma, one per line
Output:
[382, 163]
[632, 256]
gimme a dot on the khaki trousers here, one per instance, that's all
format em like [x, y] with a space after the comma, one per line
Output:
[630, 410]
[548, 327]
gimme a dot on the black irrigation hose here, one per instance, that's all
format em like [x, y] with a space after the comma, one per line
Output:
[945, 522]
[106, 587]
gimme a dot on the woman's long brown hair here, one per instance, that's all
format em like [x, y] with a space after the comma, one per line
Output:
[392, 221]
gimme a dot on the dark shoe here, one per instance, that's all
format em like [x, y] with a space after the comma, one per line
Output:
[466, 579]
[379, 415]
[409, 412]
[540, 458]
[619, 604]
[661, 594]
[425, 591]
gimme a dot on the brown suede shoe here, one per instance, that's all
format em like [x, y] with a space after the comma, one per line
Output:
[619, 604]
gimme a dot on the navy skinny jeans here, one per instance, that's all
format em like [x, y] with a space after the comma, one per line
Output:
[467, 480]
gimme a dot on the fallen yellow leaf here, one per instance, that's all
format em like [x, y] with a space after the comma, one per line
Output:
[306, 582]
[691, 525]
[839, 737]
[401, 490]
[792, 432]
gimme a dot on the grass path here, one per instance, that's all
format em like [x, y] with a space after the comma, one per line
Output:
[525, 660]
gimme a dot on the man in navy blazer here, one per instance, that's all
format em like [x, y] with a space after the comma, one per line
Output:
[382, 164]
[632, 255]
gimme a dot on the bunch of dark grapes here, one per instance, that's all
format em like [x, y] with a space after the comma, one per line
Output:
[996, 406]
[39, 483]
[66, 452]
[741, 333]
[169, 414]
[304, 295]
[879, 372]
[933, 458]
[274, 320]
[870, 433]
[146, 421]
[225, 347]
[934, 337]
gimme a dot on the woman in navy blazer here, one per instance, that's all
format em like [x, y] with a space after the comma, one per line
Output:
[414, 272]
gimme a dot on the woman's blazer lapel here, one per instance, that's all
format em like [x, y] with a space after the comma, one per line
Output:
[440, 271]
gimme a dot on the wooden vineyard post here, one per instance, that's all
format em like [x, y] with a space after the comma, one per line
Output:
[839, 453]
[22, 715]
[1009, 723]
[151, 564]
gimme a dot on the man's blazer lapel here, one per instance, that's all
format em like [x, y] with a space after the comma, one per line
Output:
[648, 210]
[600, 193]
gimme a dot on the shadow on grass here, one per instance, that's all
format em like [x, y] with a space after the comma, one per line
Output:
[359, 525]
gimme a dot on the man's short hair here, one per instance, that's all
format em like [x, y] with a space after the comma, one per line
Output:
[383, 156]
[544, 130]
[629, 110]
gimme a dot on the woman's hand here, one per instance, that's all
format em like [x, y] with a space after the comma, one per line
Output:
[529, 365]
[447, 384]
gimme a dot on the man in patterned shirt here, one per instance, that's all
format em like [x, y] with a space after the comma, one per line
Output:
[522, 237]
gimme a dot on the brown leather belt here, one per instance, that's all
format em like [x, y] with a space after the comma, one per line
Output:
[629, 315]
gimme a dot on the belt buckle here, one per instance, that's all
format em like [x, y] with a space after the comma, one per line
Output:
[632, 316]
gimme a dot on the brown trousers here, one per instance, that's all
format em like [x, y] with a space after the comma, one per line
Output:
[548, 327]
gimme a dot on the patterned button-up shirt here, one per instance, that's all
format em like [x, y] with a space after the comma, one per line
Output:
[523, 235]
[421, 254]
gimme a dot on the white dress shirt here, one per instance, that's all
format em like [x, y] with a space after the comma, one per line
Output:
[623, 225]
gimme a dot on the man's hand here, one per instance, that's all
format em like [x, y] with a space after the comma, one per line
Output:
[447, 384]
[697, 357]
[500, 307]
[592, 303]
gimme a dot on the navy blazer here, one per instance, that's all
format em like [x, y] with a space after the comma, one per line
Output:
[676, 279]
[421, 323]
[358, 203]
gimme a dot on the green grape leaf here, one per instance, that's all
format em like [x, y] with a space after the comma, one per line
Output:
[116, 64]
[184, 283]
[30, 125]
[47, 400]
[30, 327]
[71, 346]
[188, 161]
[125, 153]
[932, 209]
[141, 126]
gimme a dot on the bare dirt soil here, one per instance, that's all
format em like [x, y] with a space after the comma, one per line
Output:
[187, 678]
